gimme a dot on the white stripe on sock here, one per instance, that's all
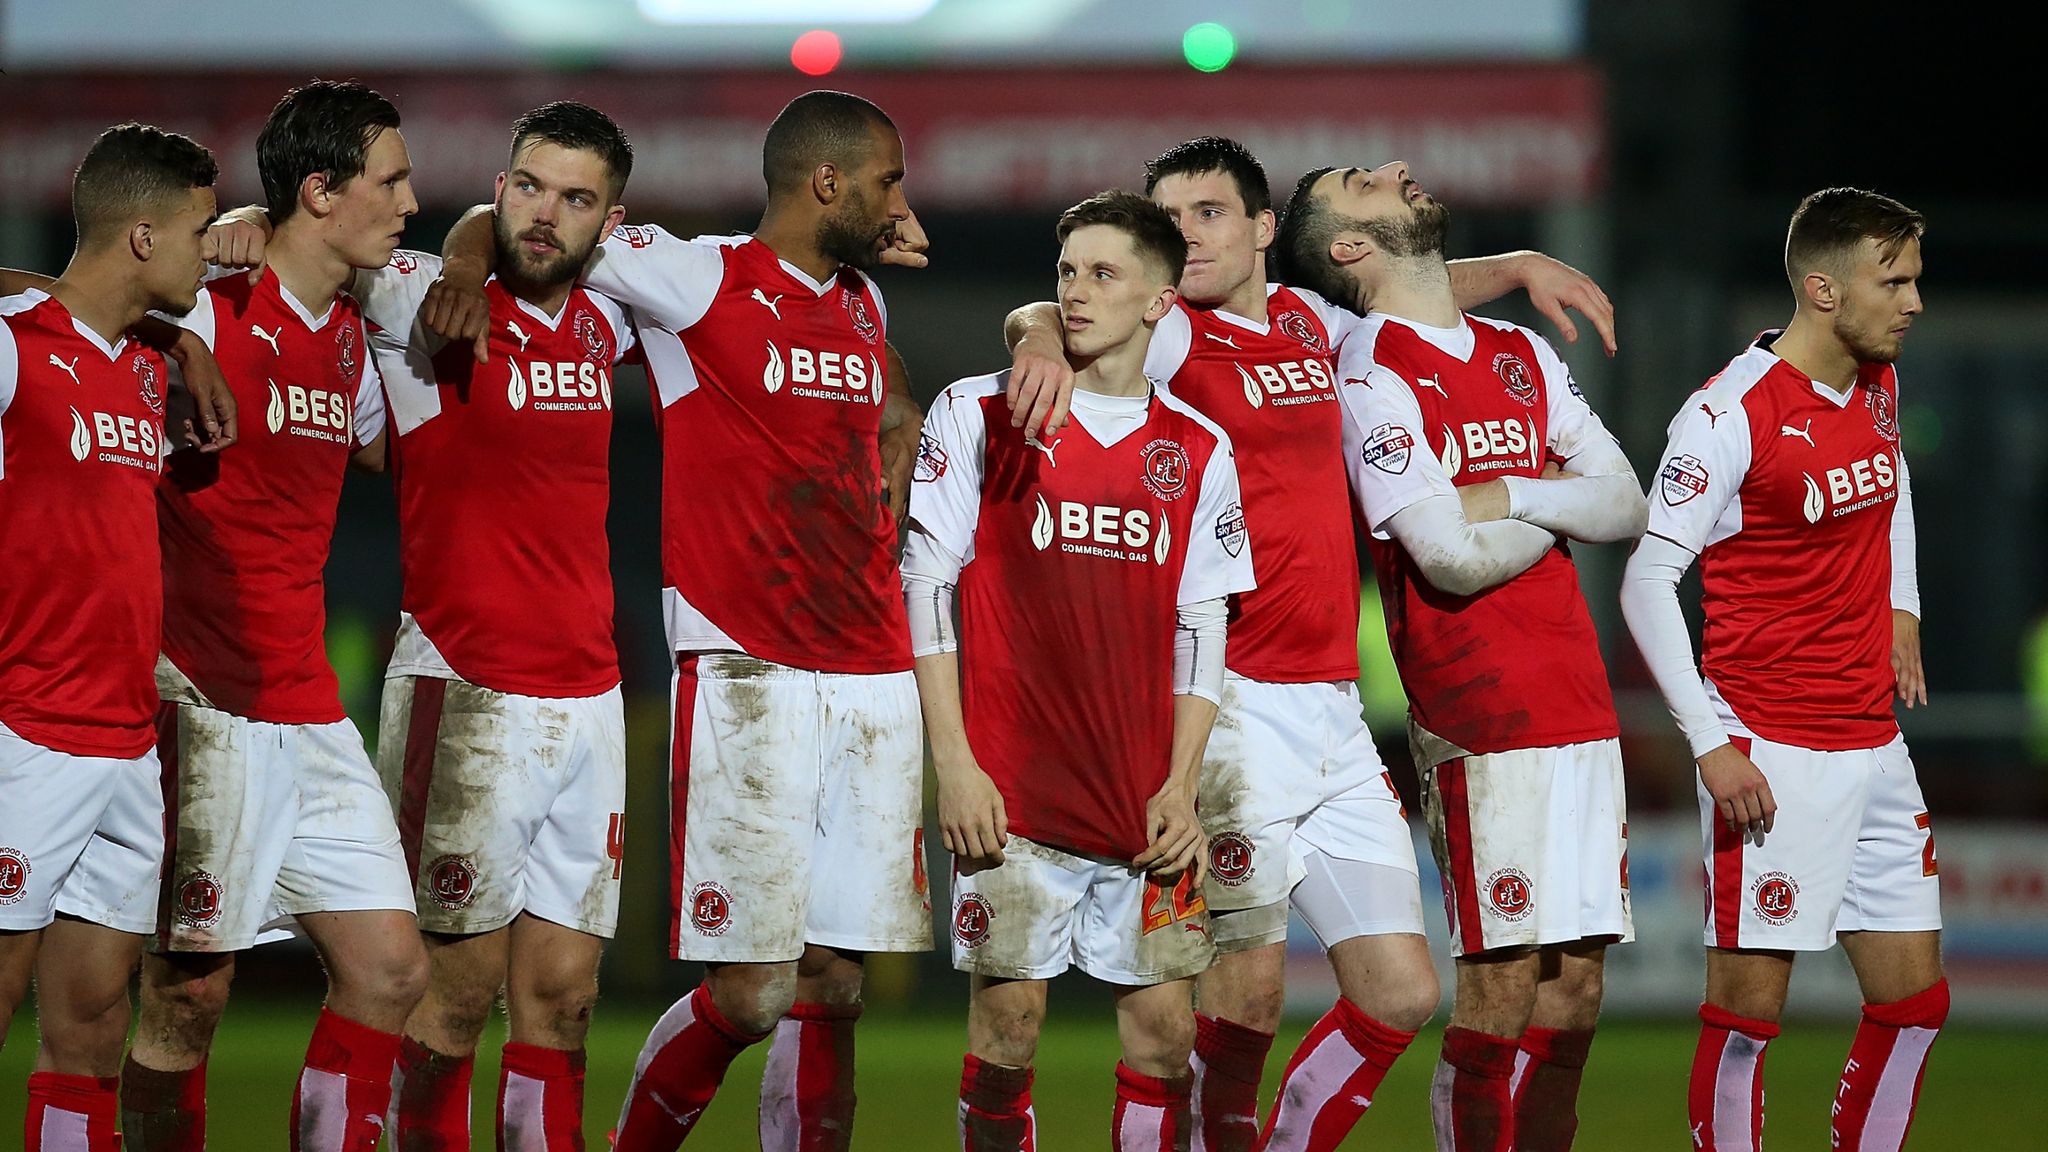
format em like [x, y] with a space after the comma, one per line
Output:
[65, 1131]
[323, 1110]
[1140, 1130]
[1319, 1076]
[1734, 1091]
[680, 1015]
[781, 1125]
[525, 1120]
[1891, 1107]
[1522, 1062]
[1441, 1087]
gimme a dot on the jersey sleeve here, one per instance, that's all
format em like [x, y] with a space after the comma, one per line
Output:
[1577, 435]
[1386, 455]
[10, 368]
[1702, 470]
[201, 321]
[664, 277]
[881, 305]
[1340, 323]
[1219, 556]
[1172, 338]
[626, 336]
[945, 490]
[390, 297]
[1905, 561]
[368, 410]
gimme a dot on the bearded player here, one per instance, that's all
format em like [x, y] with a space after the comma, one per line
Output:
[1069, 715]
[1785, 479]
[1453, 421]
[1294, 797]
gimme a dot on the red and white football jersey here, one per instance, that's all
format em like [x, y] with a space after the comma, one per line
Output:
[1786, 489]
[1078, 553]
[503, 477]
[81, 601]
[245, 533]
[1434, 409]
[775, 539]
[1272, 387]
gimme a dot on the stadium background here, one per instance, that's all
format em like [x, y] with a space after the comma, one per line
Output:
[1657, 144]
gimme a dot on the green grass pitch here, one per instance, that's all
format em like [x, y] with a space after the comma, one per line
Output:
[1984, 1089]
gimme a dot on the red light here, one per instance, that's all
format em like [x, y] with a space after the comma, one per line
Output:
[815, 53]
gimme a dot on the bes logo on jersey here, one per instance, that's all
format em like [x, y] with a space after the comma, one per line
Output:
[596, 344]
[973, 917]
[199, 900]
[1290, 382]
[1851, 489]
[560, 386]
[1297, 326]
[14, 870]
[345, 345]
[1776, 897]
[311, 412]
[857, 311]
[145, 382]
[116, 440]
[1103, 530]
[1515, 375]
[823, 375]
[1488, 446]
[1166, 469]
[1388, 448]
[1683, 479]
[710, 909]
[1511, 894]
[1883, 415]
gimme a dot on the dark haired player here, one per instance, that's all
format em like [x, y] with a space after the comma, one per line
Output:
[1785, 479]
[81, 447]
[1295, 800]
[1069, 716]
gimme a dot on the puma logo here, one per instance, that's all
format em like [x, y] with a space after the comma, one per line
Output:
[269, 338]
[1227, 341]
[1713, 417]
[1805, 433]
[1042, 446]
[1435, 385]
[773, 306]
[70, 369]
[517, 334]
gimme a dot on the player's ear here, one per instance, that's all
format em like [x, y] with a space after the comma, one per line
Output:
[826, 180]
[141, 239]
[498, 192]
[613, 217]
[315, 195]
[1266, 224]
[1161, 304]
[1819, 290]
[1349, 249]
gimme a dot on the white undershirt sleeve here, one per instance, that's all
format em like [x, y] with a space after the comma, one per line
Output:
[1649, 602]
[945, 510]
[1462, 558]
[1905, 562]
[1198, 639]
[1603, 502]
[670, 280]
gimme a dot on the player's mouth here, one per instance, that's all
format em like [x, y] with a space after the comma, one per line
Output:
[539, 244]
[1077, 323]
[1414, 191]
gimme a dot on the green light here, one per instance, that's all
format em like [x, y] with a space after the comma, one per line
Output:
[1208, 47]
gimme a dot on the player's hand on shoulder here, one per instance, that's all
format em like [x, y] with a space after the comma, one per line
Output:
[1739, 791]
[1906, 666]
[455, 307]
[201, 412]
[972, 821]
[239, 238]
[1178, 842]
[1555, 286]
[1041, 386]
[907, 247]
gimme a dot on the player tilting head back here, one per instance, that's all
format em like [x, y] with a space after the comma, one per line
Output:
[504, 653]
[278, 813]
[81, 607]
[1298, 807]
[1068, 718]
[1455, 429]
[1785, 479]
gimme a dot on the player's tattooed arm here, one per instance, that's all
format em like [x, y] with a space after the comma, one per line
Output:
[1553, 287]
[455, 307]
[1041, 381]
[1178, 843]
[972, 821]
[902, 426]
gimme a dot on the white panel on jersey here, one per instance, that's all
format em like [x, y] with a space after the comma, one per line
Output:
[668, 362]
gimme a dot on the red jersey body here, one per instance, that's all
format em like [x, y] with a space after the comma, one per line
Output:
[776, 541]
[1078, 554]
[1517, 665]
[1272, 389]
[81, 603]
[245, 533]
[1786, 489]
[503, 478]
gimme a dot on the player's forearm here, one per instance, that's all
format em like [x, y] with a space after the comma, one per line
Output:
[1595, 509]
[1484, 279]
[1193, 717]
[1032, 321]
[1462, 558]
[467, 250]
[899, 407]
[945, 725]
[15, 281]
[1649, 602]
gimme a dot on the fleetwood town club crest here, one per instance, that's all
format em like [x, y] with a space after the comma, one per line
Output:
[972, 919]
[1776, 896]
[1515, 374]
[591, 335]
[857, 311]
[451, 882]
[14, 870]
[1510, 894]
[146, 383]
[1884, 415]
[1298, 327]
[346, 345]
[1166, 469]
[199, 902]
[1230, 859]
[710, 909]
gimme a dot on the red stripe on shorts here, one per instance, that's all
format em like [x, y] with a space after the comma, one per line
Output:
[679, 792]
[422, 734]
[1727, 879]
[1450, 787]
[167, 763]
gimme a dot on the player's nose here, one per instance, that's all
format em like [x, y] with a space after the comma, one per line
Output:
[1395, 171]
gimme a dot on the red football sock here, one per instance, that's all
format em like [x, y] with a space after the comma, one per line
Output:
[1153, 1113]
[345, 1087]
[540, 1099]
[1229, 1060]
[163, 1111]
[679, 1070]
[1725, 1102]
[1880, 1084]
[1546, 1087]
[807, 1087]
[1469, 1098]
[430, 1100]
[995, 1108]
[72, 1113]
[1330, 1080]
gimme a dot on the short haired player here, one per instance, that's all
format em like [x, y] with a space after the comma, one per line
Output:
[1786, 481]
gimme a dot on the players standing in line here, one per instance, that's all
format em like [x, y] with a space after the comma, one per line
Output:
[1294, 798]
[275, 811]
[1785, 479]
[81, 608]
[1068, 718]
[1510, 717]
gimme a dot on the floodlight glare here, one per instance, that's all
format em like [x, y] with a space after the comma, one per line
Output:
[1208, 47]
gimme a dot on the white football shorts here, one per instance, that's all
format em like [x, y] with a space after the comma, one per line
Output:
[81, 835]
[1851, 849]
[506, 803]
[796, 811]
